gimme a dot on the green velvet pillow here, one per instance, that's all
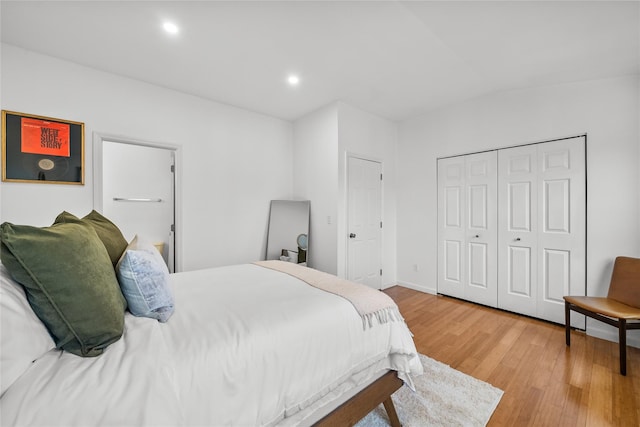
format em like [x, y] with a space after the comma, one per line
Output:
[108, 232]
[70, 283]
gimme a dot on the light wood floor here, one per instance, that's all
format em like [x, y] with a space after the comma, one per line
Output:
[545, 383]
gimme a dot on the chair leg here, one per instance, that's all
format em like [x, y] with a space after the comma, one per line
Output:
[567, 322]
[622, 330]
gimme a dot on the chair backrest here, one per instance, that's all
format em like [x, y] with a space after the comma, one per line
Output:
[625, 281]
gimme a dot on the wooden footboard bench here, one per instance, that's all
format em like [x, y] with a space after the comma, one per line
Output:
[353, 410]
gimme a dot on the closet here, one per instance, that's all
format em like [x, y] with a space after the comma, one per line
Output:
[512, 227]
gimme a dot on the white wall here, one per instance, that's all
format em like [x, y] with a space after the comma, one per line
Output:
[606, 110]
[322, 141]
[373, 137]
[315, 178]
[233, 161]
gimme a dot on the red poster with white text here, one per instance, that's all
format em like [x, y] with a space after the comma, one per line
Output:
[44, 137]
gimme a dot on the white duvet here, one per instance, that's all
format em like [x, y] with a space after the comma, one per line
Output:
[246, 346]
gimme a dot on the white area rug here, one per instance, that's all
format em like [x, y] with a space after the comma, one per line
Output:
[444, 397]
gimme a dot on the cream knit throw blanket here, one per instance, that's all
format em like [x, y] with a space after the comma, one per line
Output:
[369, 303]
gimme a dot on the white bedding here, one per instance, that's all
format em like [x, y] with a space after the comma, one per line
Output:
[246, 346]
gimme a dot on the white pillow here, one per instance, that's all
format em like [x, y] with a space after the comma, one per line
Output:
[144, 281]
[24, 338]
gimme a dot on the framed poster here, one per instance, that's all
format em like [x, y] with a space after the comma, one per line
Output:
[41, 149]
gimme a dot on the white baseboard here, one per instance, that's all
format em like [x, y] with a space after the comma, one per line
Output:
[420, 288]
[387, 286]
[603, 332]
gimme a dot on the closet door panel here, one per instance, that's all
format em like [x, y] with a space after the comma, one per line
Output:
[517, 229]
[453, 262]
[556, 275]
[555, 202]
[478, 268]
[467, 227]
[562, 236]
[478, 207]
[451, 226]
[519, 272]
[519, 202]
[481, 228]
[453, 211]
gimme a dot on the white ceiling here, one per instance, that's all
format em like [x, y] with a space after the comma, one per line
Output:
[395, 59]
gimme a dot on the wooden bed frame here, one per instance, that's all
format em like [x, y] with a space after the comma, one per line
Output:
[354, 409]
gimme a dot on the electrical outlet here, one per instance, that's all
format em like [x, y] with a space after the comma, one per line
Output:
[328, 219]
[416, 267]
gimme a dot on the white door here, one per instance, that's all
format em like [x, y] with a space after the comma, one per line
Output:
[364, 221]
[518, 229]
[138, 192]
[562, 227]
[467, 227]
[542, 233]
[482, 228]
[451, 229]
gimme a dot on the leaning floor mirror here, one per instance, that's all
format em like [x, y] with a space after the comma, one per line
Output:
[288, 238]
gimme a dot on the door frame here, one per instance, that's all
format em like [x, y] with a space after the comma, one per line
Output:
[345, 239]
[98, 140]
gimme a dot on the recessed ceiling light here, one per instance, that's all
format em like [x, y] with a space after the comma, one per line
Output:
[170, 27]
[293, 80]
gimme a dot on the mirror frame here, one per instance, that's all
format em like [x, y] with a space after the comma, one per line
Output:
[288, 220]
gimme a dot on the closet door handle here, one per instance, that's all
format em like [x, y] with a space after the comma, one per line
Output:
[352, 236]
[517, 239]
[130, 199]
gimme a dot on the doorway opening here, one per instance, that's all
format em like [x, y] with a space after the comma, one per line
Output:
[135, 185]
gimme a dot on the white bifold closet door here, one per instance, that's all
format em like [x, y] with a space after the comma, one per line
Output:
[512, 227]
[542, 228]
[467, 227]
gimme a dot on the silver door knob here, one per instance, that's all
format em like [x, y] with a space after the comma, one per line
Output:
[352, 236]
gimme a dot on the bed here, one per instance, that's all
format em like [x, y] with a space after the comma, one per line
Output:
[247, 345]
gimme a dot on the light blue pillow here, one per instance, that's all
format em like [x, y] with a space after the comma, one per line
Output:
[144, 281]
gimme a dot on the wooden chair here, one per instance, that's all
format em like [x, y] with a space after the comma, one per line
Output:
[621, 305]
